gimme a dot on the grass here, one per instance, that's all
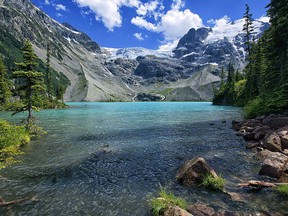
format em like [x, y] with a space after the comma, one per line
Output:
[212, 183]
[282, 189]
[165, 199]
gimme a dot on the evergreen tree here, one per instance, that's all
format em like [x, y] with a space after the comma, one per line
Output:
[48, 74]
[32, 80]
[277, 48]
[231, 85]
[5, 92]
[248, 29]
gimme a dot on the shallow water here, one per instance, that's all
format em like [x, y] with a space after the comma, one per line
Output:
[109, 158]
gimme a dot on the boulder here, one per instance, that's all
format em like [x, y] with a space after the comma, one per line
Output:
[200, 210]
[193, 171]
[284, 142]
[273, 143]
[260, 132]
[176, 211]
[274, 165]
[275, 122]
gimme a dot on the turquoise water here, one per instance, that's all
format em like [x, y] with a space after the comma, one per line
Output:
[109, 158]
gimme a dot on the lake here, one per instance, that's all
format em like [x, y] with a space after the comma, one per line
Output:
[111, 158]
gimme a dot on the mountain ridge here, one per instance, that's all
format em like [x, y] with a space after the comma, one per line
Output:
[109, 74]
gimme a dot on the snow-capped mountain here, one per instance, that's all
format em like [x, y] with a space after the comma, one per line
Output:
[133, 53]
[219, 45]
[101, 74]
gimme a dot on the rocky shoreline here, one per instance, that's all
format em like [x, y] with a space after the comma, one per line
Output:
[267, 136]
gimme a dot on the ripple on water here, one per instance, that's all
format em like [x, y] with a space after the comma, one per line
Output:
[108, 158]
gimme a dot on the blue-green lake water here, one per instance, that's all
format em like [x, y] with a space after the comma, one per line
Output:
[111, 158]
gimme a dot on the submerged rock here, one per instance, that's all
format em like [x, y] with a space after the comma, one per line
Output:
[194, 171]
[201, 210]
[176, 211]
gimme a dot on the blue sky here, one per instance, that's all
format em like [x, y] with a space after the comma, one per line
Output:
[153, 24]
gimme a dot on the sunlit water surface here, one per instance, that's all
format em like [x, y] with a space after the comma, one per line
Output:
[111, 158]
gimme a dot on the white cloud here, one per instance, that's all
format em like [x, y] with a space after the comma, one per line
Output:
[138, 36]
[59, 15]
[168, 46]
[47, 2]
[219, 22]
[108, 11]
[148, 7]
[173, 24]
[59, 7]
[142, 23]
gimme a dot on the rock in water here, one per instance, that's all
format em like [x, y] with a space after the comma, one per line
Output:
[176, 211]
[194, 171]
[274, 165]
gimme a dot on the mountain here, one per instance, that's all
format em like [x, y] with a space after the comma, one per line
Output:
[219, 45]
[109, 74]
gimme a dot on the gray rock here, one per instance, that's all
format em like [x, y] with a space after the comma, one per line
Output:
[273, 143]
[194, 171]
[274, 164]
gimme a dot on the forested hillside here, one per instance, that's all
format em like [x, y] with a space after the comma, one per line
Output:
[264, 87]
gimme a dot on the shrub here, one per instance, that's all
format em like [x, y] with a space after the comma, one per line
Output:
[282, 189]
[213, 183]
[11, 138]
[165, 199]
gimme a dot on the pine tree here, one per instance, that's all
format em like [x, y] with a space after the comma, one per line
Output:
[248, 29]
[5, 92]
[230, 85]
[277, 49]
[48, 74]
[32, 80]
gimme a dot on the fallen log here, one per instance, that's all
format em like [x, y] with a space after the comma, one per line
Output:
[259, 184]
[4, 203]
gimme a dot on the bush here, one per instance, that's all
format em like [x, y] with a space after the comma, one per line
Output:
[12, 137]
[213, 183]
[165, 199]
[282, 189]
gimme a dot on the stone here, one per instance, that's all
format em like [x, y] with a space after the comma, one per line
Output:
[284, 142]
[274, 165]
[251, 145]
[275, 122]
[273, 143]
[194, 171]
[200, 210]
[282, 133]
[236, 197]
[176, 211]
[260, 132]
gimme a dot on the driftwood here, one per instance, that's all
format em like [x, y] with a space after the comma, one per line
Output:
[4, 203]
[259, 184]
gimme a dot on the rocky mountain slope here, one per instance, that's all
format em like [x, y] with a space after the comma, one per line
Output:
[106, 74]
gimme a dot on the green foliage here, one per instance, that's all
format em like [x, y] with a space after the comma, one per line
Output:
[213, 183]
[5, 92]
[165, 199]
[11, 139]
[282, 189]
[248, 29]
[32, 80]
[226, 94]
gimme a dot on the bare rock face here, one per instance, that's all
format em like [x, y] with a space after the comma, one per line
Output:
[273, 143]
[176, 211]
[274, 165]
[201, 210]
[193, 171]
[284, 140]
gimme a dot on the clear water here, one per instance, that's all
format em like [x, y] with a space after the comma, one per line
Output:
[110, 158]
